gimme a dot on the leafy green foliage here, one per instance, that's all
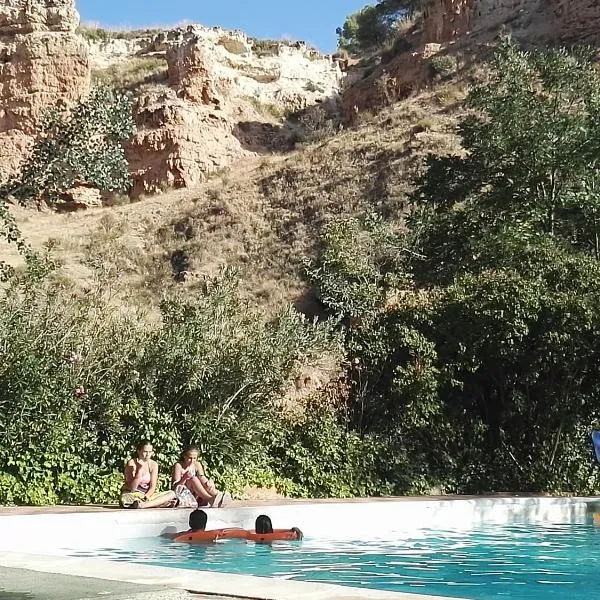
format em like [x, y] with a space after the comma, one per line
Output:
[483, 374]
[443, 65]
[84, 146]
[506, 231]
[81, 383]
[357, 266]
[324, 459]
[11, 234]
[371, 26]
[531, 165]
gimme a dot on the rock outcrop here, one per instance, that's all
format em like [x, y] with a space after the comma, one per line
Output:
[42, 62]
[28, 16]
[222, 100]
[530, 20]
[191, 73]
[451, 25]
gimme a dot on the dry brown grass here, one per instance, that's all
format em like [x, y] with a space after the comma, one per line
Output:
[94, 33]
[262, 217]
[133, 72]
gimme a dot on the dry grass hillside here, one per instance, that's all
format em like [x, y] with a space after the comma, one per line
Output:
[262, 216]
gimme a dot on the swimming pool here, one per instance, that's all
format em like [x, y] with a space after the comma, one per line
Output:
[473, 548]
[520, 561]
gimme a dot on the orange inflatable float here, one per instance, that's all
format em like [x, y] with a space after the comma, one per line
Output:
[213, 535]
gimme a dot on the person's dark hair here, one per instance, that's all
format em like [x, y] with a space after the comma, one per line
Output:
[263, 524]
[142, 444]
[198, 519]
[192, 448]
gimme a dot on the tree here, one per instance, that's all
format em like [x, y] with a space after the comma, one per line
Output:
[484, 370]
[81, 146]
[507, 245]
[371, 26]
[531, 162]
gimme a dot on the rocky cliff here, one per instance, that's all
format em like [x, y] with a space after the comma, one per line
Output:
[222, 99]
[223, 95]
[451, 26]
[42, 62]
[219, 96]
[531, 20]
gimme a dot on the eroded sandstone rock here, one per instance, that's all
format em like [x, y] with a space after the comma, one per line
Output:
[27, 16]
[178, 143]
[449, 24]
[531, 20]
[191, 73]
[42, 63]
[222, 102]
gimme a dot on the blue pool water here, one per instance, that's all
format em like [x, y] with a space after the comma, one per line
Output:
[523, 561]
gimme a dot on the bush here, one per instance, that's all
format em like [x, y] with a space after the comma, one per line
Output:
[83, 146]
[324, 459]
[358, 264]
[443, 65]
[75, 399]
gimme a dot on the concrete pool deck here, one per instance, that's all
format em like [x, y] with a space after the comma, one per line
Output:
[22, 584]
[64, 525]
[199, 583]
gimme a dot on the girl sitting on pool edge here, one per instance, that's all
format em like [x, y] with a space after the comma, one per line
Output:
[188, 479]
[141, 477]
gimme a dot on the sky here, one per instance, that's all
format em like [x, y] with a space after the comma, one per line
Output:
[313, 21]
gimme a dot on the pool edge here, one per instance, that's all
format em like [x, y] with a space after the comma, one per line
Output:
[207, 583]
[224, 584]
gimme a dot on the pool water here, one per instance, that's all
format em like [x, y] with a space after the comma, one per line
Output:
[520, 561]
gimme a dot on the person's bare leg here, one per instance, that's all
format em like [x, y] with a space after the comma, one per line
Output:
[163, 500]
[199, 490]
[211, 488]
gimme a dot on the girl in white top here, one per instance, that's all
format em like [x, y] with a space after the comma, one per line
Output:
[188, 472]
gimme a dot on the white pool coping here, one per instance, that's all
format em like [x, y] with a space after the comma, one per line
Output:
[201, 582]
[32, 541]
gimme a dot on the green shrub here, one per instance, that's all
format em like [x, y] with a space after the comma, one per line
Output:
[443, 65]
[93, 33]
[81, 380]
[324, 459]
[82, 146]
[358, 263]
